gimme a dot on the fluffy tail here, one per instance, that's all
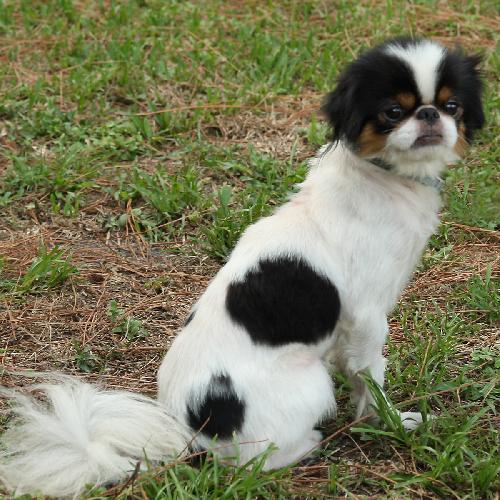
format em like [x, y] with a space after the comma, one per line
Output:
[82, 435]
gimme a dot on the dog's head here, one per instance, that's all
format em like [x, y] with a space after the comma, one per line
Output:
[407, 101]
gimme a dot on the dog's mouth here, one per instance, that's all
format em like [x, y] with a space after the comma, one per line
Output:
[428, 140]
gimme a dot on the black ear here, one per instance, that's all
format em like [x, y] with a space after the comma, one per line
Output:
[474, 114]
[474, 62]
[341, 110]
[463, 74]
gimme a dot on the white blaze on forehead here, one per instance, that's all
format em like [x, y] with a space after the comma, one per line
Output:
[424, 59]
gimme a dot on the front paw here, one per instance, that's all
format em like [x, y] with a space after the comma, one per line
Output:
[410, 419]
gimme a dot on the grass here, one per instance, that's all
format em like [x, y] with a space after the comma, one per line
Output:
[140, 138]
[49, 270]
[130, 327]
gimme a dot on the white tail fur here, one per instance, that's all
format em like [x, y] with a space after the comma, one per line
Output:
[83, 435]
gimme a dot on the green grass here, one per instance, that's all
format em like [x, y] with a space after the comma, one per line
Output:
[63, 179]
[130, 327]
[48, 270]
[179, 124]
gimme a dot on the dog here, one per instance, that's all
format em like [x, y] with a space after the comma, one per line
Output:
[305, 288]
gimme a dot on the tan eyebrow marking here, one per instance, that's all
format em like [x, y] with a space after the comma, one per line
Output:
[444, 94]
[406, 99]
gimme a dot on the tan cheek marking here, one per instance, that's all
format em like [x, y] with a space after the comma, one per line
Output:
[407, 100]
[443, 95]
[370, 141]
[461, 145]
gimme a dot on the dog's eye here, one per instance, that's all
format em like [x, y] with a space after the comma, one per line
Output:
[394, 113]
[451, 107]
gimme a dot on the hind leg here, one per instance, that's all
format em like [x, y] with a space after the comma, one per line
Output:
[302, 449]
[284, 407]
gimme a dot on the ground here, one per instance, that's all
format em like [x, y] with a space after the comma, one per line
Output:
[139, 138]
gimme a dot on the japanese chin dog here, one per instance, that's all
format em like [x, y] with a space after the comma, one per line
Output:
[304, 290]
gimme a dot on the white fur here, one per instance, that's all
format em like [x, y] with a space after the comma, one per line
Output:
[424, 59]
[84, 435]
[358, 225]
[420, 161]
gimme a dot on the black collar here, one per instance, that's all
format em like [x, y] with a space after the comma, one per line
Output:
[426, 180]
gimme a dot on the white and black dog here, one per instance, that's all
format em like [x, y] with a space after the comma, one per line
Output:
[307, 287]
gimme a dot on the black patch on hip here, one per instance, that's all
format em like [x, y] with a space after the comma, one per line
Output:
[221, 412]
[284, 300]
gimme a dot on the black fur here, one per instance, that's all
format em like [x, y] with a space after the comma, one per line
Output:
[284, 300]
[221, 413]
[461, 74]
[370, 83]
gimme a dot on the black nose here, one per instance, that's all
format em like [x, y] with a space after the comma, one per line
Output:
[429, 114]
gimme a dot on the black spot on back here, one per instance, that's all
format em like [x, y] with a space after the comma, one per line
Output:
[221, 412]
[282, 301]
